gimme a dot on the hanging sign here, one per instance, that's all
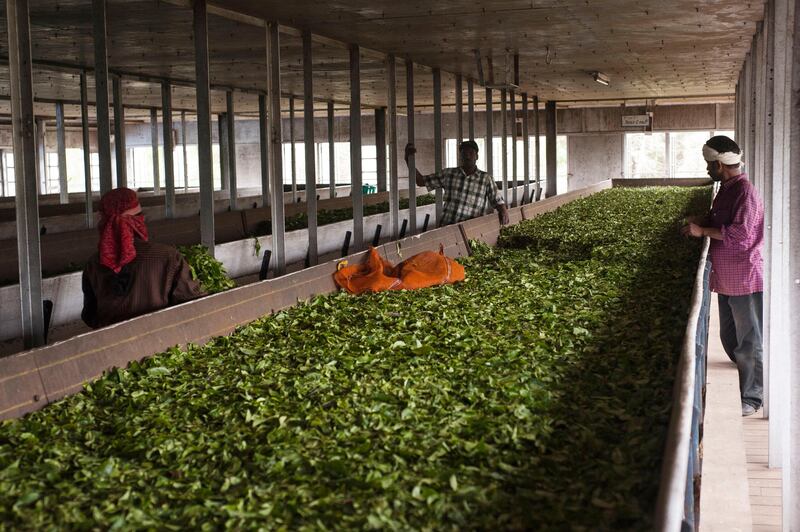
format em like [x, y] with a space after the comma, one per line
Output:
[635, 120]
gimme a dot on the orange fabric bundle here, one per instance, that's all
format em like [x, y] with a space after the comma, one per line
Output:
[376, 274]
[429, 269]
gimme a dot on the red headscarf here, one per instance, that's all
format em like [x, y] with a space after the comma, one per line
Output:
[120, 222]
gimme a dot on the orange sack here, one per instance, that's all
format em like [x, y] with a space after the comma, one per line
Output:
[376, 274]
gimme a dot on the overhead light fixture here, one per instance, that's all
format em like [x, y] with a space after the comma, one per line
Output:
[601, 78]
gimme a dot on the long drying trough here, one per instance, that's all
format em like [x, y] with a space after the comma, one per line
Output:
[534, 395]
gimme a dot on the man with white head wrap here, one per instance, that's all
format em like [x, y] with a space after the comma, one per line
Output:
[736, 228]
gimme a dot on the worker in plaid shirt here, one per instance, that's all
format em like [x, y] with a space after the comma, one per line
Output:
[468, 192]
[736, 228]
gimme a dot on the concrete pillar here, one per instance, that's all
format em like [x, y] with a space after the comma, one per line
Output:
[119, 134]
[263, 140]
[526, 151]
[27, 209]
[169, 165]
[101, 93]
[185, 159]
[231, 124]
[41, 157]
[292, 152]
[380, 147]
[331, 152]
[489, 135]
[504, 141]
[438, 140]
[204, 125]
[550, 132]
[412, 164]
[394, 193]
[513, 105]
[355, 148]
[537, 144]
[791, 471]
[471, 108]
[224, 152]
[63, 188]
[2, 173]
[310, 149]
[276, 148]
[154, 147]
[459, 109]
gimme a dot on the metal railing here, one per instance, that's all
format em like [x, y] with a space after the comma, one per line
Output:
[676, 506]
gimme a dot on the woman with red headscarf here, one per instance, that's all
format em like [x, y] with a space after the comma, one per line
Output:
[130, 276]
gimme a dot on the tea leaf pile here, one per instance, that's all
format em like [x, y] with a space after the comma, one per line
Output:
[206, 269]
[534, 395]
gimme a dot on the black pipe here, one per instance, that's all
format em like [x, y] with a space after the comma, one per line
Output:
[425, 225]
[377, 238]
[262, 275]
[346, 246]
[47, 305]
[403, 228]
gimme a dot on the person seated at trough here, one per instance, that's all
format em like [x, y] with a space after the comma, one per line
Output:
[129, 275]
[736, 228]
[468, 192]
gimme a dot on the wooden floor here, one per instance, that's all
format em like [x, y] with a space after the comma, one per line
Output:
[738, 492]
[765, 483]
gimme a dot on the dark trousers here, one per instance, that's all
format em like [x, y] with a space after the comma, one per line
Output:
[740, 324]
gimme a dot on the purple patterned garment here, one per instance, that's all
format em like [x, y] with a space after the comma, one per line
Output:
[737, 268]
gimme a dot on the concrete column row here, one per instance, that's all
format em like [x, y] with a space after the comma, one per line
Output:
[271, 140]
[768, 131]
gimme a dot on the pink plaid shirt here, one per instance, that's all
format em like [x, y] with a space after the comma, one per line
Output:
[736, 265]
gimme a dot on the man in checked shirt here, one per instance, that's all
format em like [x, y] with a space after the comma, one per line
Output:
[468, 192]
[736, 228]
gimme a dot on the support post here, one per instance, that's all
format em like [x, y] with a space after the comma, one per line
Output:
[791, 470]
[355, 147]
[550, 126]
[169, 165]
[61, 141]
[777, 238]
[27, 209]
[41, 156]
[526, 151]
[667, 153]
[231, 123]
[204, 125]
[276, 145]
[331, 153]
[380, 147]
[394, 189]
[513, 98]
[292, 151]
[2, 173]
[119, 134]
[490, 134]
[263, 141]
[471, 108]
[537, 145]
[412, 165]
[154, 144]
[308, 142]
[101, 93]
[504, 141]
[459, 110]
[224, 166]
[438, 141]
[185, 153]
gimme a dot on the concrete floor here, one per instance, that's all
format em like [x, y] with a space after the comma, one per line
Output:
[739, 491]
